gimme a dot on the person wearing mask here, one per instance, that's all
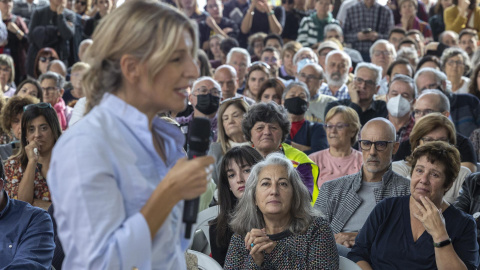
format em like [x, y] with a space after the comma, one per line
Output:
[400, 99]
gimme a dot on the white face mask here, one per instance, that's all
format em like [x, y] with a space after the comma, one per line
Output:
[398, 106]
[302, 63]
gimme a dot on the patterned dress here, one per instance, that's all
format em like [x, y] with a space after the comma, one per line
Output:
[13, 176]
[314, 249]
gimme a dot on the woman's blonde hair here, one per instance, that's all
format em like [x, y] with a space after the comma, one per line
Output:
[146, 29]
[350, 116]
[7, 60]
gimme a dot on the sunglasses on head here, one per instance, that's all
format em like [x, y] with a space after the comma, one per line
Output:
[41, 105]
[44, 59]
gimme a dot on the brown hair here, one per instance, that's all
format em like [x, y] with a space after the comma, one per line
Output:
[442, 152]
[12, 108]
[429, 123]
[252, 68]
[44, 52]
[222, 137]
[271, 83]
[473, 88]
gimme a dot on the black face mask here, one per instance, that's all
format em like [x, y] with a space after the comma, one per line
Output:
[207, 104]
[296, 105]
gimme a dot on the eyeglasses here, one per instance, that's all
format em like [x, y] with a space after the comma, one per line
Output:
[49, 89]
[453, 62]
[428, 139]
[41, 105]
[380, 53]
[422, 113]
[309, 77]
[368, 83]
[339, 126]
[6, 69]
[45, 59]
[205, 91]
[270, 59]
[379, 145]
[431, 86]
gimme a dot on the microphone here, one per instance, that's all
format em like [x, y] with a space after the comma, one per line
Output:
[198, 143]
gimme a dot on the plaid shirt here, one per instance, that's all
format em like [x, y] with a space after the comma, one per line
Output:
[403, 134]
[360, 17]
[342, 93]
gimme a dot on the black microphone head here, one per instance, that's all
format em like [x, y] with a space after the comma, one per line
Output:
[199, 134]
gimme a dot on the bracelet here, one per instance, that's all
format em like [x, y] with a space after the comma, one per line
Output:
[271, 12]
[443, 243]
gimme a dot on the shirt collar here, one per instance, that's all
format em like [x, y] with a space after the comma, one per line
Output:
[387, 176]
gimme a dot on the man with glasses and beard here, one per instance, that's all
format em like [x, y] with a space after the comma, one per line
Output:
[347, 201]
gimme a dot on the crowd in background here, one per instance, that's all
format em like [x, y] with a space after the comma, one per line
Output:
[351, 101]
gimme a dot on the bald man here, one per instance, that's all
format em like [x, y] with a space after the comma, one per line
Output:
[347, 201]
[226, 76]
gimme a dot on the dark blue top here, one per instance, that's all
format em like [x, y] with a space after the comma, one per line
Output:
[26, 236]
[386, 240]
[310, 134]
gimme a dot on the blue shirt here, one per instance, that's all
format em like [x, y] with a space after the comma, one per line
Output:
[386, 239]
[342, 93]
[26, 236]
[102, 172]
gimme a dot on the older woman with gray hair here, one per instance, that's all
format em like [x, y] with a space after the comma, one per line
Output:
[266, 126]
[456, 64]
[274, 225]
[306, 136]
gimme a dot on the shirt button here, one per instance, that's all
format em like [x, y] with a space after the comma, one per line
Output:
[9, 246]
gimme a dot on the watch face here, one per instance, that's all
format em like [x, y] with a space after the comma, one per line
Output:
[476, 215]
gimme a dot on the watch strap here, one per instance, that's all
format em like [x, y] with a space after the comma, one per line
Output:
[443, 243]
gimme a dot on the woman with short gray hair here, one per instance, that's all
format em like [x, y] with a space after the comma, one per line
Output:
[274, 225]
[456, 64]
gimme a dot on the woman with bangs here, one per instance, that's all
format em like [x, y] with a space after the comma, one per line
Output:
[44, 57]
[118, 176]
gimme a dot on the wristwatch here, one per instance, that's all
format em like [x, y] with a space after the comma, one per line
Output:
[443, 243]
[271, 12]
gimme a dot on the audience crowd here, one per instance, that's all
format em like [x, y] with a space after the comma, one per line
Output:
[338, 127]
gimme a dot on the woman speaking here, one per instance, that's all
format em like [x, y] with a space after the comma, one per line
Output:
[118, 176]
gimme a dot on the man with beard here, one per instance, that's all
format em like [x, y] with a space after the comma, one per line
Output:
[337, 66]
[468, 41]
[364, 86]
[347, 201]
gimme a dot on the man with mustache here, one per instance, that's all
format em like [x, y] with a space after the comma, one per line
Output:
[337, 66]
[347, 201]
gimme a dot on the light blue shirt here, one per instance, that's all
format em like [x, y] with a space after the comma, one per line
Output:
[102, 172]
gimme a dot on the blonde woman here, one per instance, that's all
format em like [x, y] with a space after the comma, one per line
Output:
[114, 177]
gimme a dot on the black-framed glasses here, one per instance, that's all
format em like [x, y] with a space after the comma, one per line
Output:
[368, 83]
[45, 59]
[420, 113]
[205, 91]
[366, 145]
[309, 77]
[41, 105]
[339, 126]
[49, 89]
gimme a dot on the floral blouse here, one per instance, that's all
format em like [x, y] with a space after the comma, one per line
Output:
[13, 176]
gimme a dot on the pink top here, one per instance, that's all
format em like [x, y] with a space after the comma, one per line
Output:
[334, 167]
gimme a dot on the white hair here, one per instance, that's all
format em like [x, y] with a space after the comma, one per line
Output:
[229, 67]
[342, 53]
[372, 67]
[206, 78]
[440, 77]
[297, 55]
[387, 43]
[241, 51]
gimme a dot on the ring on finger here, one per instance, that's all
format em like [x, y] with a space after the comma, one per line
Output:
[252, 245]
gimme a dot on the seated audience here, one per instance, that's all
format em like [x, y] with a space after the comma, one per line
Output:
[464, 108]
[347, 201]
[429, 232]
[58, 67]
[11, 119]
[462, 14]
[287, 70]
[27, 233]
[304, 135]
[230, 134]
[468, 41]
[44, 56]
[214, 52]
[383, 54]
[456, 64]
[400, 98]
[266, 126]
[449, 38]
[30, 87]
[337, 67]
[274, 225]
[431, 101]
[334, 31]
[75, 78]
[25, 172]
[239, 59]
[364, 86]
[258, 73]
[271, 56]
[226, 76]
[467, 201]
[409, 19]
[17, 41]
[271, 90]
[430, 128]
[235, 167]
[312, 75]
[400, 66]
[436, 21]
[430, 61]
[312, 26]
[52, 88]
[274, 41]
[7, 75]
[342, 126]
[324, 48]
[256, 45]
[396, 35]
